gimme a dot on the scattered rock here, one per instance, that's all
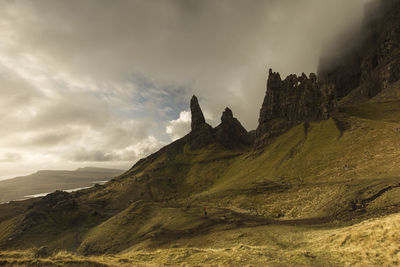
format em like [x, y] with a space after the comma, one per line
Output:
[309, 255]
[59, 200]
[42, 252]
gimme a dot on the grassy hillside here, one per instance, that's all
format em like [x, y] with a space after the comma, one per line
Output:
[370, 243]
[322, 194]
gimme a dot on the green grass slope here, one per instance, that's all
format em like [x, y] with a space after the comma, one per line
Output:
[317, 179]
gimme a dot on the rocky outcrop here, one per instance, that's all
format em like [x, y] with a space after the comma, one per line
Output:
[360, 68]
[291, 101]
[198, 119]
[230, 133]
[374, 63]
[202, 134]
[58, 200]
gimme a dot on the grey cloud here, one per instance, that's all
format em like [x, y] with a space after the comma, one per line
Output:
[342, 45]
[121, 134]
[212, 48]
[50, 138]
[100, 80]
[74, 108]
[15, 91]
[10, 157]
[130, 153]
[93, 155]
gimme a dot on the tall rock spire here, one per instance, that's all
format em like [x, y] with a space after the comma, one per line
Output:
[197, 115]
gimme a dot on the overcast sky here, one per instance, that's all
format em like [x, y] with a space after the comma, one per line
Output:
[104, 83]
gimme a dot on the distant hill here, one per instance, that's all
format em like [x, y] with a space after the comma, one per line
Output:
[50, 180]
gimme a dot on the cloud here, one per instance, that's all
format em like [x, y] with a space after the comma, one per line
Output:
[130, 153]
[179, 127]
[218, 49]
[110, 81]
[141, 149]
[48, 138]
[93, 155]
[9, 157]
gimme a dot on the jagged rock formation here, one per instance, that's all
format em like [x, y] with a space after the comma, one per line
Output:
[360, 70]
[373, 64]
[230, 133]
[198, 119]
[291, 101]
[202, 133]
[366, 68]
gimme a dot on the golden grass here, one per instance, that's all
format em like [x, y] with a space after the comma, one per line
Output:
[374, 242]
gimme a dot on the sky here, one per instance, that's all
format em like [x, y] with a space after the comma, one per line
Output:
[105, 83]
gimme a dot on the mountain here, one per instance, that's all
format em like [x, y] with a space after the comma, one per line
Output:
[48, 181]
[316, 184]
[368, 63]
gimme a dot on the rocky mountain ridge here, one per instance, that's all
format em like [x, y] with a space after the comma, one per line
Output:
[368, 62]
[366, 67]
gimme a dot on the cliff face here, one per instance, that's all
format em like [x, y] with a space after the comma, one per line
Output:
[374, 63]
[362, 67]
[291, 101]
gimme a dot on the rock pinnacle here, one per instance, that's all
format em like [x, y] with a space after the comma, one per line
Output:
[197, 115]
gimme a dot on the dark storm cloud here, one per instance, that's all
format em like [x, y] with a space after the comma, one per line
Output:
[340, 47]
[101, 80]
[217, 49]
